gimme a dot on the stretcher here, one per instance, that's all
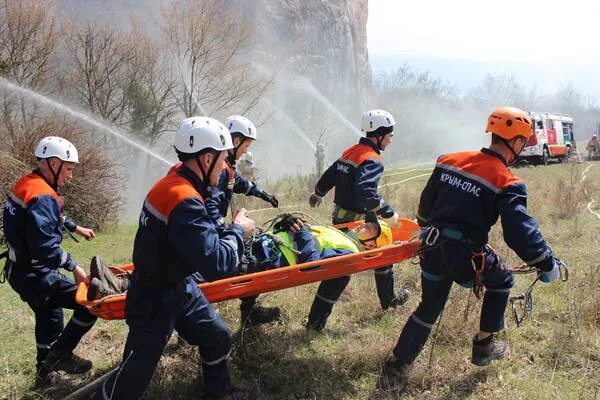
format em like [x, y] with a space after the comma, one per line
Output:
[113, 307]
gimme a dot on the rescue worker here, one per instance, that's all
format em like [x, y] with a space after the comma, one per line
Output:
[33, 223]
[246, 166]
[176, 238]
[462, 200]
[593, 147]
[243, 133]
[355, 177]
[293, 243]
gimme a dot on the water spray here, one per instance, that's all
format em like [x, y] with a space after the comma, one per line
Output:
[80, 115]
[296, 129]
[305, 85]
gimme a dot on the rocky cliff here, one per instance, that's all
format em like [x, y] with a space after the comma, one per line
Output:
[323, 41]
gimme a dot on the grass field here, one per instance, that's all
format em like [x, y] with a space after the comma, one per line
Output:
[554, 355]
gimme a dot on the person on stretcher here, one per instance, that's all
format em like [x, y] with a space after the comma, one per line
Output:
[294, 242]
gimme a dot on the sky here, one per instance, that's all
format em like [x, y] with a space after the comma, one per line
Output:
[543, 42]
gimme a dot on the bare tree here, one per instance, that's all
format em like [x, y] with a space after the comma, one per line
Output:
[28, 39]
[406, 81]
[98, 76]
[152, 104]
[206, 47]
[320, 153]
[500, 89]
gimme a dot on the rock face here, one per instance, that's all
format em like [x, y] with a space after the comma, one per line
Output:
[316, 53]
[323, 41]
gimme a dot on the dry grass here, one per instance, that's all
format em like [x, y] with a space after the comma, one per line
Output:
[554, 355]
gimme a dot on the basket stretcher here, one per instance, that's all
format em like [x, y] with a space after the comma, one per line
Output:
[113, 307]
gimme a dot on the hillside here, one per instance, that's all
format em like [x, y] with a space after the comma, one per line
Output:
[554, 355]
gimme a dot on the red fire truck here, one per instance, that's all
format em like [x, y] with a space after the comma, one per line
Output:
[552, 138]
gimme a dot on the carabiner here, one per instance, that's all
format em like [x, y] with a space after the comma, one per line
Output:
[433, 234]
[563, 271]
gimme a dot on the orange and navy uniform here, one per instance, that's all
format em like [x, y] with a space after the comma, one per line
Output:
[230, 182]
[462, 200]
[468, 191]
[177, 237]
[355, 176]
[219, 197]
[33, 223]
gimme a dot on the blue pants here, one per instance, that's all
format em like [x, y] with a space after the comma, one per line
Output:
[47, 292]
[327, 295]
[152, 314]
[440, 267]
[330, 291]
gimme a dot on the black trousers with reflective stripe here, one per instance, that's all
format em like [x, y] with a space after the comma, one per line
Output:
[49, 318]
[330, 291]
[441, 267]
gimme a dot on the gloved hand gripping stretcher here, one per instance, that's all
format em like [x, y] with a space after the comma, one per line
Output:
[113, 307]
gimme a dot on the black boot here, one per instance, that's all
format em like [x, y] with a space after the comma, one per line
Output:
[98, 269]
[489, 349]
[316, 324]
[45, 378]
[258, 315]
[399, 299]
[395, 372]
[61, 360]
[99, 289]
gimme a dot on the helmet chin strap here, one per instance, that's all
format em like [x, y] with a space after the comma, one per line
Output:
[206, 174]
[232, 154]
[55, 174]
[379, 141]
[515, 155]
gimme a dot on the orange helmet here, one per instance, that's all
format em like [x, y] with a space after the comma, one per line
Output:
[509, 122]
[385, 238]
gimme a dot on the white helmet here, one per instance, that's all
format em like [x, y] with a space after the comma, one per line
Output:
[239, 124]
[54, 146]
[375, 119]
[198, 133]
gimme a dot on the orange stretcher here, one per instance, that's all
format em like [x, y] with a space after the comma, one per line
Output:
[113, 307]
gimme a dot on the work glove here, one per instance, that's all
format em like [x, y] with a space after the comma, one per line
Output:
[288, 221]
[315, 200]
[549, 276]
[269, 198]
[393, 221]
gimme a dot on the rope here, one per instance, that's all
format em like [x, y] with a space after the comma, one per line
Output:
[404, 180]
[407, 172]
